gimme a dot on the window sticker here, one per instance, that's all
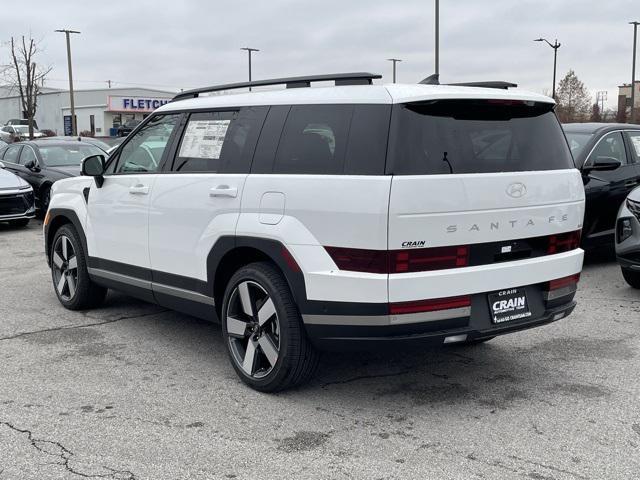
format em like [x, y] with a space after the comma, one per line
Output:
[204, 139]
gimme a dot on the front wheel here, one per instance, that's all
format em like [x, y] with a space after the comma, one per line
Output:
[71, 281]
[263, 330]
[632, 277]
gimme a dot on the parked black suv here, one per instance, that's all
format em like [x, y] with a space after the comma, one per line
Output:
[608, 155]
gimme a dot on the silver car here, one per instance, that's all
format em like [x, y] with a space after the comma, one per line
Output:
[15, 133]
[16, 199]
[628, 238]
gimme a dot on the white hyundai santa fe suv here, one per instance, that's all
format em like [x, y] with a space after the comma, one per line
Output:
[351, 215]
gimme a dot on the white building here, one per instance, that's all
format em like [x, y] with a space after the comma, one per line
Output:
[98, 110]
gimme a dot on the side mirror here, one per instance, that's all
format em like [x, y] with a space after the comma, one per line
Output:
[601, 164]
[32, 165]
[93, 166]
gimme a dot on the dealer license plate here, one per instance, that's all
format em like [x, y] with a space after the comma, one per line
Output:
[508, 305]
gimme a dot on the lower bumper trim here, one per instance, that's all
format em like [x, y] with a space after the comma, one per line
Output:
[334, 337]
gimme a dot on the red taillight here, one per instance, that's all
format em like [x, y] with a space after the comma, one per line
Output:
[563, 242]
[425, 259]
[359, 259]
[399, 261]
[431, 305]
[563, 282]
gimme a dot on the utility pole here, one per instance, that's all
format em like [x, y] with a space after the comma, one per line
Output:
[437, 69]
[394, 60]
[73, 109]
[249, 50]
[555, 47]
[633, 71]
[109, 83]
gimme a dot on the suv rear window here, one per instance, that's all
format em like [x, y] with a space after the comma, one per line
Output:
[475, 136]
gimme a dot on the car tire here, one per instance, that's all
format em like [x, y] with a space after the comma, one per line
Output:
[23, 222]
[632, 277]
[263, 331]
[45, 197]
[69, 274]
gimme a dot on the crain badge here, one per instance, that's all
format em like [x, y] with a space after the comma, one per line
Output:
[517, 190]
[414, 244]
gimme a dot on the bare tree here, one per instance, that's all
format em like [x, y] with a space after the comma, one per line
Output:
[574, 100]
[24, 75]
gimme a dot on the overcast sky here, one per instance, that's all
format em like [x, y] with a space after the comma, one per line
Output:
[192, 43]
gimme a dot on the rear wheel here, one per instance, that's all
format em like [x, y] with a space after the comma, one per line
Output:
[632, 277]
[71, 281]
[263, 330]
[23, 222]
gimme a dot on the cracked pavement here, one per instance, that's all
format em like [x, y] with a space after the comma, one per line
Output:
[133, 391]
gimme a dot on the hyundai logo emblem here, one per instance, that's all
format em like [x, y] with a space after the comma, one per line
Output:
[517, 190]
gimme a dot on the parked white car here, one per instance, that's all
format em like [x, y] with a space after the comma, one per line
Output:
[355, 215]
[15, 133]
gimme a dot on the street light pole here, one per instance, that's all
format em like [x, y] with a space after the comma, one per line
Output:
[394, 60]
[249, 50]
[73, 110]
[555, 47]
[633, 71]
[437, 60]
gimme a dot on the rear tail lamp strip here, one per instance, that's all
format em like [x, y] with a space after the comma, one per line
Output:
[426, 259]
[461, 305]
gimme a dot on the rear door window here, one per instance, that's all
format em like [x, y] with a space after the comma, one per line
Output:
[220, 141]
[634, 140]
[475, 136]
[314, 140]
[611, 146]
[324, 140]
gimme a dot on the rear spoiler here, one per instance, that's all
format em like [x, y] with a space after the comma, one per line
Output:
[435, 80]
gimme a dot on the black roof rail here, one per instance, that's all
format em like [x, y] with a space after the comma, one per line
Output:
[353, 78]
[490, 84]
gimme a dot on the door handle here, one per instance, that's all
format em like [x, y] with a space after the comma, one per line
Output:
[139, 189]
[223, 191]
[631, 183]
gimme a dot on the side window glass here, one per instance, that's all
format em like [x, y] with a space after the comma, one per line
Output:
[143, 151]
[368, 135]
[27, 155]
[634, 140]
[314, 140]
[609, 146]
[219, 142]
[11, 155]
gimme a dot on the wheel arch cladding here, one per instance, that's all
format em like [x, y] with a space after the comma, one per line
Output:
[229, 254]
[57, 218]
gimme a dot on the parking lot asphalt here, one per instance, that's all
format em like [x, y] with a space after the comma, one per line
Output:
[133, 391]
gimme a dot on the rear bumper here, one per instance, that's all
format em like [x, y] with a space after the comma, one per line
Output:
[366, 332]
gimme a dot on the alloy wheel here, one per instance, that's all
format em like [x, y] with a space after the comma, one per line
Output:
[253, 329]
[65, 267]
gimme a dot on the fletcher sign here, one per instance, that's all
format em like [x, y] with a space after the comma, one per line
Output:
[135, 104]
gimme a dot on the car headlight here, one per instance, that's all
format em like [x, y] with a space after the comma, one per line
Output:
[624, 229]
[25, 187]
